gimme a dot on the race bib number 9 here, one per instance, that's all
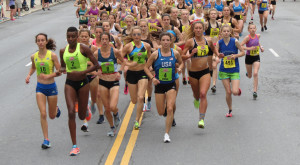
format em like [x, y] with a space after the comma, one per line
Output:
[255, 52]
[228, 63]
[202, 51]
[107, 67]
[73, 63]
[165, 74]
[43, 67]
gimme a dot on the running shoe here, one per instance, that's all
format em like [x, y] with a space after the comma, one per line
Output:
[1, 20]
[76, 107]
[117, 120]
[84, 127]
[228, 114]
[101, 119]
[201, 124]
[136, 125]
[145, 107]
[13, 19]
[262, 29]
[270, 12]
[254, 95]
[148, 106]
[265, 27]
[75, 151]
[196, 104]
[272, 18]
[43, 9]
[167, 138]
[251, 18]
[173, 123]
[58, 112]
[213, 89]
[247, 74]
[112, 132]
[93, 107]
[48, 8]
[240, 92]
[46, 144]
[188, 80]
[184, 81]
[88, 114]
[126, 90]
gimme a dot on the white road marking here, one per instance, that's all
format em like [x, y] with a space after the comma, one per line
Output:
[274, 53]
[29, 64]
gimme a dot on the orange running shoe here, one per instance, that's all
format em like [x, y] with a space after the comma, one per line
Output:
[75, 151]
[88, 115]
[76, 107]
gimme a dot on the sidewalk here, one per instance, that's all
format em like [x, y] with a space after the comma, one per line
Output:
[37, 7]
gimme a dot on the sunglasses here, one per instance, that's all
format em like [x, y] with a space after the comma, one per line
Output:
[136, 34]
[198, 7]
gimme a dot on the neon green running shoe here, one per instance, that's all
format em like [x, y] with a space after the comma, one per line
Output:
[196, 104]
[136, 125]
[201, 124]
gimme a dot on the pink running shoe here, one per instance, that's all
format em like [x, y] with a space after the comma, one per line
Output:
[228, 114]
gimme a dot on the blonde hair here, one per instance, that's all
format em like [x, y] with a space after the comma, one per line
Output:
[227, 26]
[129, 16]
[189, 33]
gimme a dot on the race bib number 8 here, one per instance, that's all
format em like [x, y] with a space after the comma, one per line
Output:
[202, 51]
[73, 63]
[228, 63]
[43, 67]
[255, 52]
[107, 67]
[165, 74]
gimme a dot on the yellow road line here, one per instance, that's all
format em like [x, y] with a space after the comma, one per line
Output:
[115, 148]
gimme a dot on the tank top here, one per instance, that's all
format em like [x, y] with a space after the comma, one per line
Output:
[75, 61]
[114, 8]
[200, 18]
[82, 18]
[107, 9]
[228, 66]
[253, 42]
[203, 51]
[138, 54]
[229, 23]
[155, 22]
[212, 32]
[94, 12]
[113, 30]
[122, 21]
[219, 7]
[43, 65]
[183, 27]
[263, 5]
[164, 68]
[237, 8]
[183, 7]
[208, 6]
[108, 65]
[95, 43]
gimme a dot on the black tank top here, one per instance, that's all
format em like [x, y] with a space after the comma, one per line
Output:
[207, 31]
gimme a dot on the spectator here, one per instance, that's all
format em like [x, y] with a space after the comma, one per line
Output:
[46, 4]
[12, 7]
[32, 3]
[18, 8]
[7, 5]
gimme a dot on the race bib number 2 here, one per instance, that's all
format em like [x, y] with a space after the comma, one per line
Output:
[73, 63]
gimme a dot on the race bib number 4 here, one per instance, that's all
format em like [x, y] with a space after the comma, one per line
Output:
[107, 67]
[73, 63]
[165, 74]
[255, 52]
[43, 67]
[228, 63]
[202, 51]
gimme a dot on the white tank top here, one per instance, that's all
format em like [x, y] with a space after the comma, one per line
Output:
[196, 17]
[113, 31]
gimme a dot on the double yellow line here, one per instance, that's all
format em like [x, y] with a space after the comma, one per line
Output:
[118, 141]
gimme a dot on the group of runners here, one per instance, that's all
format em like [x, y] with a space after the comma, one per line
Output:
[150, 43]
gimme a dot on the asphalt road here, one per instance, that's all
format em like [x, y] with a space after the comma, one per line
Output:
[263, 132]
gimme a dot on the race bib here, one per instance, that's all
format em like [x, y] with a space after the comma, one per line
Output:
[82, 18]
[254, 52]
[123, 24]
[139, 57]
[165, 74]
[73, 63]
[202, 50]
[107, 67]
[226, 23]
[228, 63]
[43, 67]
[264, 5]
[214, 32]
[151, 28]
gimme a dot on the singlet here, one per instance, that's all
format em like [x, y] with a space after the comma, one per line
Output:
[138, 54]
[183, 7]
[113, 30]
[182, 27]
[196, 17]
[263, 5]
[95, 43]
[108, 65]
[94, 12]
[82, 18]
[75, 61]
[212, 32]
[108, 8]
[149, 42]
[203, 51]
[122, 22]
[155, 22]
[114, 8]
[253, 42]
[229, 23]
[228, 66]
[164, 68]
[219, 7]
[43, 65]
[208, 6]
[237, 8]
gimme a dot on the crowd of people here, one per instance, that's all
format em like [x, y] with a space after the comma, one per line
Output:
[151, 43]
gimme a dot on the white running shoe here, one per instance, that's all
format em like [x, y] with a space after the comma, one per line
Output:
[167, 138]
